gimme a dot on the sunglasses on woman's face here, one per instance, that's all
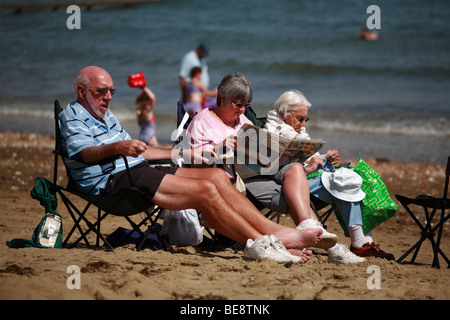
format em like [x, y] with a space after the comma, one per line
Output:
[240, 104]
[301, 119]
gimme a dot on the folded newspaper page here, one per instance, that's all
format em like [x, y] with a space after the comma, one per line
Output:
[260, 152]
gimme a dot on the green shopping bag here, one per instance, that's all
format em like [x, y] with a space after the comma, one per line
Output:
[378, 206]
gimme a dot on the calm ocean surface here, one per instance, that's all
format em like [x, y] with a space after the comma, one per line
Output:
[388, 98]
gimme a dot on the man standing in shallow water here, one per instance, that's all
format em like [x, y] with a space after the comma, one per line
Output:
[90, 132]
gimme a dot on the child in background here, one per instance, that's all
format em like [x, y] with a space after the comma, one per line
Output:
[196, 93]
[145, 101]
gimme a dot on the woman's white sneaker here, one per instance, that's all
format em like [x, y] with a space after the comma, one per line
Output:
[329, 239]
[269, 247]
[276, 243]
[340, 254]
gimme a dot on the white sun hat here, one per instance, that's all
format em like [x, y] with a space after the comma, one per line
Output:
[343, 184]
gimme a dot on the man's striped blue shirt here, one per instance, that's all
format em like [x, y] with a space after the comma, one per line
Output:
[79, 130]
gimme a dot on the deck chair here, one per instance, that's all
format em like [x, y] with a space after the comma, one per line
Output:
[127, 203]
[436, 214]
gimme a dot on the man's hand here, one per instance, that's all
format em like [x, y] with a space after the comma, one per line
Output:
[131, 148]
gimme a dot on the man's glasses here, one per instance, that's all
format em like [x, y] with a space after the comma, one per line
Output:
[240, 104]
[104, 91]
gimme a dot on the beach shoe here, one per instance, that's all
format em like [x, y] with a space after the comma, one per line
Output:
[329, 239]
[371, 250]
[263, 248]
[276, 243]
[340, 254]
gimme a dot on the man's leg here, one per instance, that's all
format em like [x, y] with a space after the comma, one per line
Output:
[177, 192]
[225, 208]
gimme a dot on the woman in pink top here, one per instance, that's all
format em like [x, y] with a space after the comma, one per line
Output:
[208, 130]
[287, 191]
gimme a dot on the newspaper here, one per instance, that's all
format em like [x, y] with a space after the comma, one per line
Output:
[260, 152]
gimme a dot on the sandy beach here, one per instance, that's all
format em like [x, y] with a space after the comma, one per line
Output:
[190, 273]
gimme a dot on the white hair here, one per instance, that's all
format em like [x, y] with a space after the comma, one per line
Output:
[290, 100]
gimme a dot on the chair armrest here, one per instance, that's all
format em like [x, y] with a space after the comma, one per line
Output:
[111, 159]
[425, 201]
[343, 164]
[104, 162]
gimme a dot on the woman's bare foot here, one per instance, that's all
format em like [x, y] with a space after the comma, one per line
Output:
[294, 238]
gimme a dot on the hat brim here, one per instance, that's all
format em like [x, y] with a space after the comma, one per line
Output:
[350, 197]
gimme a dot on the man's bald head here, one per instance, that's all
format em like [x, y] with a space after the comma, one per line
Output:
[94, 88]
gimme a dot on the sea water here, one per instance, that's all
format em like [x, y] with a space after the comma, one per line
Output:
[387, 99]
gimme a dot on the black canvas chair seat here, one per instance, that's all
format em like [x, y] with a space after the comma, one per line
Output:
[127, 203]
[437, 212]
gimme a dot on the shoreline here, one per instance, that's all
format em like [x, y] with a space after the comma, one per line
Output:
[190, 273]
[338, 140]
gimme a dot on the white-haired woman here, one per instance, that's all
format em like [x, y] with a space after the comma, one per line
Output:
[289, 119]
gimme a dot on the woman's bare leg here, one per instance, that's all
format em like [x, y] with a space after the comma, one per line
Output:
[296, 192]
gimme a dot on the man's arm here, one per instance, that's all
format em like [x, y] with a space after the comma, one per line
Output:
[154, 153]
[132, 148]
[198, 156]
